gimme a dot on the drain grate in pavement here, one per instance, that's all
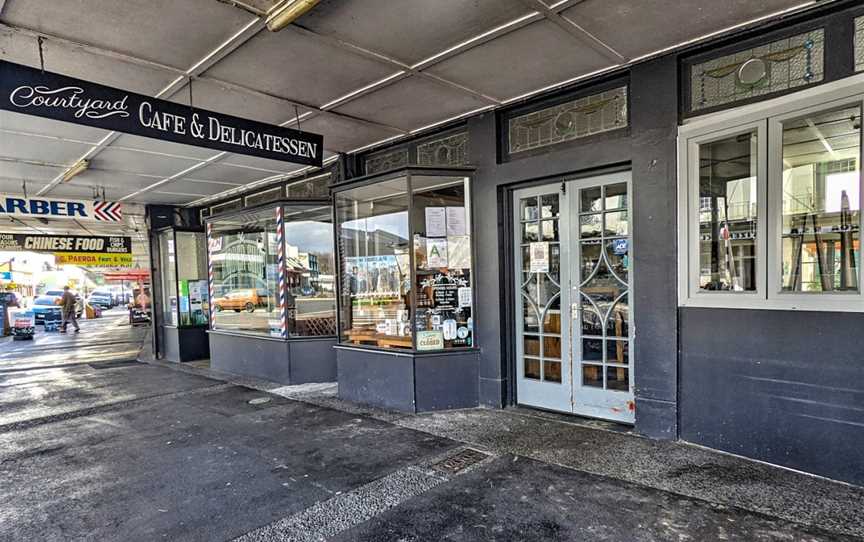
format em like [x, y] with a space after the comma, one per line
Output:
[460, 461]
[115, 364]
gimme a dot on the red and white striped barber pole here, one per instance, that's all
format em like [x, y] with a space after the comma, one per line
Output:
[280, 261]
[211, 310]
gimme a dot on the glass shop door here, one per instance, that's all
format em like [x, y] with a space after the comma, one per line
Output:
[574, 245]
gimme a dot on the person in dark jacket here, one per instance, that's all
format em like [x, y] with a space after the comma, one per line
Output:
[67, 308]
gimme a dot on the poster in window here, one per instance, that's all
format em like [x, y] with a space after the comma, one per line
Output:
[456, 221]
[430, 340]
[459, 252]
[436, 253]
[436, 222]
[539, 261]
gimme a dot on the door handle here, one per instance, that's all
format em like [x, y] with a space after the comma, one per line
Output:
[574, 310]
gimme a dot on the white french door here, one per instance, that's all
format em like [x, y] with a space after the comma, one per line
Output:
[573, 318]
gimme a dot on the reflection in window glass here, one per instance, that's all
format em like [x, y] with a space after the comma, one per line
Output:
[167, 258]
[728, 213]
[243, 252]
[375, 265]
[821, 195]
[442, 245]
[192, 305]
[310, 273]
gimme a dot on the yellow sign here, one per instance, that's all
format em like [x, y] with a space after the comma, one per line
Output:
[93, 259]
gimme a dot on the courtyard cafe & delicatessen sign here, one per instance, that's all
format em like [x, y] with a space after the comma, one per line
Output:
[44, 94]
[83, 250]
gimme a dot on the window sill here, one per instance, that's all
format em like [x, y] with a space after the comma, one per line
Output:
[796, 305]
[252, 335]
[407, 352]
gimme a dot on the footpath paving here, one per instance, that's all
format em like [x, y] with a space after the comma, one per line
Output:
[96, 447]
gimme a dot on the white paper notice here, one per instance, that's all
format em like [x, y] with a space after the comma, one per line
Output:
[456, 221]
[464, 294]
[459, 252]
[436, 222]
[436, 253]
[539, 257]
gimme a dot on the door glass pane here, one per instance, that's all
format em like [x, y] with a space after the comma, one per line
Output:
[552, 318]
[617, 378]
[530, 232]
[531, 345]
[617, 224]
[617, 323]
[728, 213]
[616, 196]
[821, 194]
[617, 351]
[549, 206]
[590, 200]
[528, 208]
[532, 368]
[529, 317]
[592, 350]
[590, 226]
[552, 347]
[549, 230]
[592, 375]
[591, 322]
[552, 371]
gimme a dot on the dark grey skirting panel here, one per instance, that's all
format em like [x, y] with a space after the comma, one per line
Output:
[185, 344]
[285, 362]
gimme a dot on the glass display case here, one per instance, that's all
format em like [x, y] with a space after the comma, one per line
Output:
[272, 271]
[405, 260]
[185, 299]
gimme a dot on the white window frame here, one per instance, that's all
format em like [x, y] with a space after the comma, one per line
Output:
[766, 118]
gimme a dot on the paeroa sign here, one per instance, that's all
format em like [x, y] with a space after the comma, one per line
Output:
[100, 211]
[33, 92]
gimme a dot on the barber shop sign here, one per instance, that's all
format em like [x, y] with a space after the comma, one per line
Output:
[100, 211]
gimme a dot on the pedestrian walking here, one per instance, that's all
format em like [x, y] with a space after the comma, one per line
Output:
[67, 308]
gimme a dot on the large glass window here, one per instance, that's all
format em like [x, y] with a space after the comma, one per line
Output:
[247, 270]
[192, 299]
[772, 206]
[384, 229]
[728, 212]
[310, 271]
[167, 259]
[820, 247]
[243, 253]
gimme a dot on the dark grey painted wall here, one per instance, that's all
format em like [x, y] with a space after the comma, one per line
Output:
[780, 386]
[650, 153]
[185, 344]
[286, 362]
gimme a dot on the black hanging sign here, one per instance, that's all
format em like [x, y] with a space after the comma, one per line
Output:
[65, 243]
[31, 92]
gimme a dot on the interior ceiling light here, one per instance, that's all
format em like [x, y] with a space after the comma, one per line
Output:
[79, 167]
[286, 12]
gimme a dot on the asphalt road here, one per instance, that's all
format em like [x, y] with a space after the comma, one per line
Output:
[95, 446]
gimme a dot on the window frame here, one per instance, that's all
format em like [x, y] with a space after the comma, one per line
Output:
[770, 115]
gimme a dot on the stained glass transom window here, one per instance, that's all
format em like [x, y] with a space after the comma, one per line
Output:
[266, 196]
[386, 160]
[575, 119]
[446, 151]
[859, 44]
[784, 64]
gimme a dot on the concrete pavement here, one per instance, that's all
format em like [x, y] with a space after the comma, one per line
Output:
[96, 447]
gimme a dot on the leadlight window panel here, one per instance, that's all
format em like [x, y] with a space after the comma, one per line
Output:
[315, 188]
[266, 196]
[582, 117]
[451, 150]
[386, 160]
[859, 44]
[781, 65]
[233, 205]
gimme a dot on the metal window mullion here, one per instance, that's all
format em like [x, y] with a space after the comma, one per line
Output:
[412, 272]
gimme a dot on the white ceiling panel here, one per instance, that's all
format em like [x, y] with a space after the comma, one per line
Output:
[13, 185]
[521, 61]
[28, 172]
[163, 198]
[37, 125]
[640, 27]
[225, 173]
[76, 191]
[264, 164]
[31, 147]
[343, 134]
[294, 66]
[79, 63]
[188, 186]
[137, 162]
[112, 181]
[174, 32]
[415, 29]
[214, 97]
[157, 147]
[412, 103]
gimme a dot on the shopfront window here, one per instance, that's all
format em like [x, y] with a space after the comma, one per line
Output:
[167, 259]
[310, 272]
[192, 293]
[771, 207]
[243, 252]
[384, 229]
[728, 213]
[820, 246]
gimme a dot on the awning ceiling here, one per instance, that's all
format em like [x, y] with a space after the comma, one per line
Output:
[357, 71]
